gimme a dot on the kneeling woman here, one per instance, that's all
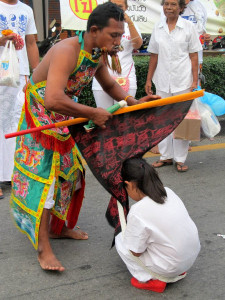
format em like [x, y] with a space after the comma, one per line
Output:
[160, 242]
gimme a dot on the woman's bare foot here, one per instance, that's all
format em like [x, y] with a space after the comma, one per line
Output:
[49, 262]
[70, 234]
[155, 150]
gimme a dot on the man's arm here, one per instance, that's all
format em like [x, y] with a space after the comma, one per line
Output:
[32, 50]
[194, 63]
[151, 70]
[62, 61]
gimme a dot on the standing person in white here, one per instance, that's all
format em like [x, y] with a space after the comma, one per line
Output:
[173, 67]
[18, 17]
[196, 13]
[159, 230]
[130, 40]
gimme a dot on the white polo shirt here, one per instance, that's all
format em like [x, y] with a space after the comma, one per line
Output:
[174, 71]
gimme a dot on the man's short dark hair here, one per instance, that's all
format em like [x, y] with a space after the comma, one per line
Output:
[102, 13]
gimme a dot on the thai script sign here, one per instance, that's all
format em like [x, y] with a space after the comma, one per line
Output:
[145, 13]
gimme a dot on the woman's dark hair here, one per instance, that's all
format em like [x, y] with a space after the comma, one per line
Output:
[102, 13]
[146, 177]
[181, 4]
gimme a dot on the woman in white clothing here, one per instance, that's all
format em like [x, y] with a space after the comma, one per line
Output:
[173, 67]
[159, 230]
[19, 18]
[130, 40]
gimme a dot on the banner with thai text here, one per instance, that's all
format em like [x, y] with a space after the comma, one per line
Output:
[145, 13]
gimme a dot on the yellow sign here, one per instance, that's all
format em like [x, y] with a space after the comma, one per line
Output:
[83, 8]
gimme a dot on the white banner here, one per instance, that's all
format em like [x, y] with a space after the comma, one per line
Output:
[145, 13]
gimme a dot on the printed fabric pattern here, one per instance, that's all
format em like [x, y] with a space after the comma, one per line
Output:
[126, 135]
[41, 157]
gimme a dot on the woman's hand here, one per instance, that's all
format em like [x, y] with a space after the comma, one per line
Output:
[127, 18]
[193, 86]
[148, 87]
[206, 37]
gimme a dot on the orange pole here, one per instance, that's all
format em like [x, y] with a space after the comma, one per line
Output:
[161, 102]
[150, 104]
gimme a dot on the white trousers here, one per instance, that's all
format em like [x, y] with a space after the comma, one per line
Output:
[11, 103]
[102, 99]
[171, 148]
[134, 268]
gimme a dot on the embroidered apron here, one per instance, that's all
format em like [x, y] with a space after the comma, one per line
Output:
[43, 156]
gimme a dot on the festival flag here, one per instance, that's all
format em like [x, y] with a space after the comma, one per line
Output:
[126, 135]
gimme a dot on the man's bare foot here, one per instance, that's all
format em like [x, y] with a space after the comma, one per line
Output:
[46, 257]
[49, 262]
[70, 234]
[155, 150]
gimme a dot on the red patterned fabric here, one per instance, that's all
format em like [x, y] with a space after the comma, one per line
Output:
[127, 135]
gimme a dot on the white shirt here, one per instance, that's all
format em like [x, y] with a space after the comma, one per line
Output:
[165, 233]
[126, 60]
[174, 71]
[20, 19]
[197, 14]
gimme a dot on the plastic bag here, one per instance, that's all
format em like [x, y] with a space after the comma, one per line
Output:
[216, 103]
[9, 66]
[209, 122]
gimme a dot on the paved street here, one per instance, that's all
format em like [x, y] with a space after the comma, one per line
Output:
[94, 271]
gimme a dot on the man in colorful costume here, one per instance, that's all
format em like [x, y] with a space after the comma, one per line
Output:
[48, 174]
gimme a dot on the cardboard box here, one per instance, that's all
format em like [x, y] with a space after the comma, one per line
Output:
[189, 128]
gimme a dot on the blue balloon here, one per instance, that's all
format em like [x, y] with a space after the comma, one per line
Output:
[216, 103]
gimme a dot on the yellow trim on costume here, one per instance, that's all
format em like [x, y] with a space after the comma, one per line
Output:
[83, 54]
[35, 245]
[28, 210]
[37, 214]
[33, 176]
[77, 165]
[21, 117]
[31, 89]
[40, 211]
[56, 213]
[36, 177]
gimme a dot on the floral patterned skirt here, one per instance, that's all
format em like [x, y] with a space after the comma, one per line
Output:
[39, 159]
